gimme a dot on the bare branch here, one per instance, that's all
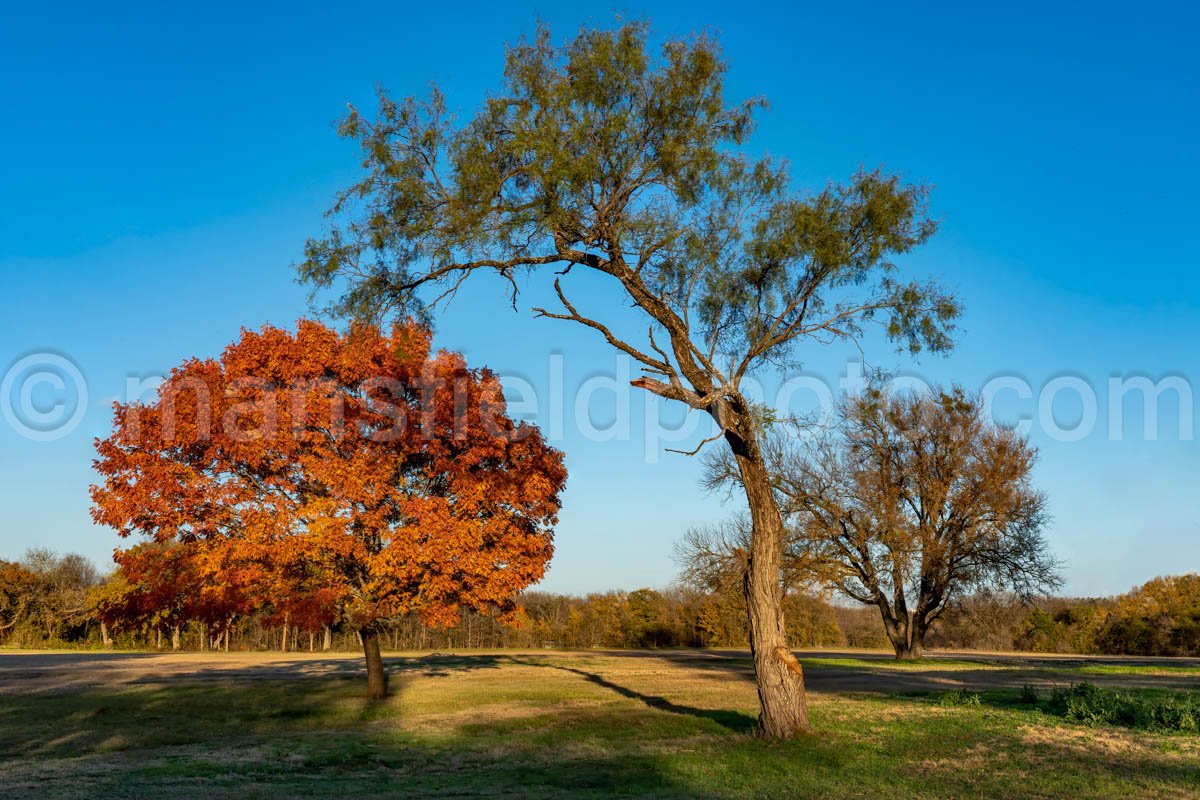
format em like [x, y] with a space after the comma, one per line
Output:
[573, 315]
[698, 447]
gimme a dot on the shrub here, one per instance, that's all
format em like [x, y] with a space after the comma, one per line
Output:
[959, 697]
[1029, 695]
[1093, 705]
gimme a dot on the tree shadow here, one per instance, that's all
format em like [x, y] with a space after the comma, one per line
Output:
[440, 665]
[88, 670]
[731, 661]
[318, 736]
[734, 721]
[312, 737]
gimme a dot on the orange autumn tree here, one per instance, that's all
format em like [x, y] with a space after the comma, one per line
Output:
[163, 585]
[356, 470]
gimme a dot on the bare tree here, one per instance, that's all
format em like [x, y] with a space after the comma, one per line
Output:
[908, 501]
[716, 556]
[713, 556]
[601, 156]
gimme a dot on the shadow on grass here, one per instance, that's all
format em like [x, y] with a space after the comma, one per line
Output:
[318, 736]
[439, 665]
[315, 736]
[735, 721]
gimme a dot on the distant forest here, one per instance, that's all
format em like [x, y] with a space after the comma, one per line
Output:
[49, 600]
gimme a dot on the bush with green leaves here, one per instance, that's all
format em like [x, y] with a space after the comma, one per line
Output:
[960, 697]
[1094, 705]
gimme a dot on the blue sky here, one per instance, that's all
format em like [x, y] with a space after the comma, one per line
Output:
[163, 166]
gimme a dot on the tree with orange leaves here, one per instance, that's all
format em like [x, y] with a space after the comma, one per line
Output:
[355, 470]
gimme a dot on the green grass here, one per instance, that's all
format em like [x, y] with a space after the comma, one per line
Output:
[1136, 669]
[1068, 668]
[574, 726]
[887, 663]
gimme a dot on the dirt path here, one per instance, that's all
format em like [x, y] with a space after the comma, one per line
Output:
[58, 671]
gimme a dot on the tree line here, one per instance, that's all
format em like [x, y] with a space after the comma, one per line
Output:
[50, 600]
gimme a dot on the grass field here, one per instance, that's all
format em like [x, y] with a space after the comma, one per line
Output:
[565, 725]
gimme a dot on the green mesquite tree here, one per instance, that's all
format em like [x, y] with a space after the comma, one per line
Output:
[603, 155]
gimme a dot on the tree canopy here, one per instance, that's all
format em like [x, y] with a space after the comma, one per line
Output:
[907, 501]
[600, 155]
[356, 471]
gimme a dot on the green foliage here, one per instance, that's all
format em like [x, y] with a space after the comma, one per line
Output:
[1029, 695]
[960, 697]
[811, 622]
[1095, 705]
[609, 154]
[1041, 632]
[1161, 617]
[44, 599]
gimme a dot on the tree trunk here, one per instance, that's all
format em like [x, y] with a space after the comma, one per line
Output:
[905, 634]
[376, 677]
[104, 637]
[328, 643]
[780, 679]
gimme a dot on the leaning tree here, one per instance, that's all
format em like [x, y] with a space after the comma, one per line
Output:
[606, 157]
[355, 470]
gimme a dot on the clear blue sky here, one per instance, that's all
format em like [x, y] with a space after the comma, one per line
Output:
[162, 167]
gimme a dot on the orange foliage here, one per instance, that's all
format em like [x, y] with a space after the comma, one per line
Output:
[321, 474]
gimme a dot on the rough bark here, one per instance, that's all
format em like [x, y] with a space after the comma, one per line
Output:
[780, 679]
[376, 677]
[175, 637]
